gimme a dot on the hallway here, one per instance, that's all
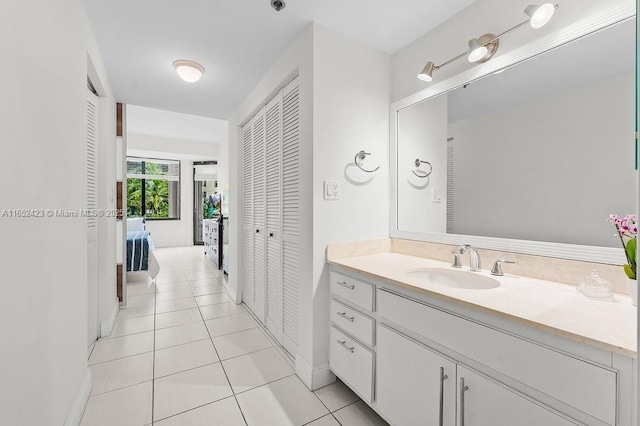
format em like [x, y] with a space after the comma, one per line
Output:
[182, 353]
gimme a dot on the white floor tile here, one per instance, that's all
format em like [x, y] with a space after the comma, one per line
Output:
[176, 318]
[202, 274]
[208, 289]
[284, 402]
[359, 414]
[124, 327]
[241, 343]
[204, 283]
[190, 389]
[135, 311]
[170, 278]
[125, 407]
[327, 420]
[256, 369]
[175, 305]
[161, 288]
[120, 347]
[231, 324]
[138, 288]
[224, 413]
[212, 299]
[180, 335]
[141, 300]
[120, 373]
[184, 357]
[336, 395]
[221, 310]
[174, 294]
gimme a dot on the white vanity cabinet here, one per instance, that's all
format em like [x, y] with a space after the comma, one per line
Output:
[416, 359]
[483, 402]
[414, 385]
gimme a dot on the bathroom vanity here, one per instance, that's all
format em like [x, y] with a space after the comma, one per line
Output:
[420, 349]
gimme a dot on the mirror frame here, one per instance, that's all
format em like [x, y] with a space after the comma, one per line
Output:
[606, 18]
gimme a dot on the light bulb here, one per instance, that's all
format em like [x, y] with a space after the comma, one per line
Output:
[476, 50]
[539, 16]
[189, 71]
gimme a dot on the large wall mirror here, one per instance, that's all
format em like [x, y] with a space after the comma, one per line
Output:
[532, 158]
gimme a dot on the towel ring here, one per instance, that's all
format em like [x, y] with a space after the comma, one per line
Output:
[421, 173]
[359, 157]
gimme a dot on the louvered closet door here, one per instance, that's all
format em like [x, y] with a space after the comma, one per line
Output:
[92, 222]
[259, 210]
[247, 215]
[290, 213]
[274, 216]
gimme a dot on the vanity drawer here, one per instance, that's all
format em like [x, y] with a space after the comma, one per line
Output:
[353, 322]
[353, 290]
[353, 363]
[583, 385]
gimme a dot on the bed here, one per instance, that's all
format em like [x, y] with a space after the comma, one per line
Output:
[140, 256]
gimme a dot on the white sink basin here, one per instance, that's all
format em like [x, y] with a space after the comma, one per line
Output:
[453, 278]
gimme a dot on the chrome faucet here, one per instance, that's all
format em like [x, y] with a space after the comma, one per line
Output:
[497, 267]
[474, 257]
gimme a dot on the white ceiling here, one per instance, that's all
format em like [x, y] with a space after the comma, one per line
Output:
[237, 41]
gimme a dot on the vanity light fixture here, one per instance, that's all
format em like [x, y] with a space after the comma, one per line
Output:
[483, 48]
[189, 71]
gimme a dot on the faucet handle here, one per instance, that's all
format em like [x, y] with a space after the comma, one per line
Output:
[497, 267]
[456, 260]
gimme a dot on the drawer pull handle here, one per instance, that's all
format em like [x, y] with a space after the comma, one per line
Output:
[344, 284]
[463, 389]
[443, 377]
[344, 315]
[343, 343]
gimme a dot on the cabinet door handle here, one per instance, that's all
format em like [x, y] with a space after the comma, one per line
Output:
[257, 231]
[271, 234]
[345, 316]
[343, 343]
[443, 377]
[463, 389]
[344, 284]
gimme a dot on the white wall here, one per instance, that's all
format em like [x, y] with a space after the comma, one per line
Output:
[43, 313]
[351, 95]
[297, 59]
[422, 133]
[343, 110]
[174, 233]
[450, 39]
[506, 181]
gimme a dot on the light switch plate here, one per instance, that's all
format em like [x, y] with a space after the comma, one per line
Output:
[331, 190]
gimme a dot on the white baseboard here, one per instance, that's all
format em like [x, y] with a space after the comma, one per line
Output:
[106, 327]
[80, 402]
[316, 377]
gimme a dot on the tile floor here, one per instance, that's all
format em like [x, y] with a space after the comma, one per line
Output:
[183, 354]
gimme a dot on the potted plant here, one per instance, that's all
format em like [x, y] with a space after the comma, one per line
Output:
[627, 231]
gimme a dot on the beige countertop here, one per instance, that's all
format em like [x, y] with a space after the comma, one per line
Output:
[549, 306]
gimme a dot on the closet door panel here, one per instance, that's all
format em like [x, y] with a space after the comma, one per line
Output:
[273, 128]
[259, 210]
[247, 216]
[291, 213]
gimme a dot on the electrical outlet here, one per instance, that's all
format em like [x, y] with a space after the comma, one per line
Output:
[435, 195]
[331, 190]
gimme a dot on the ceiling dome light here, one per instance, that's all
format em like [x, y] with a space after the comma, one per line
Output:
[189, 71]
[427, 71]
[539, 15]
[476, 50]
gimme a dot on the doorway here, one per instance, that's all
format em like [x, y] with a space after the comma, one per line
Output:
[206, 196]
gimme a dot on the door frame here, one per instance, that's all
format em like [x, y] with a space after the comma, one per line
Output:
[196, 197]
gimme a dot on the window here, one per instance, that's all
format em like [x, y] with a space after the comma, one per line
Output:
[153, 188]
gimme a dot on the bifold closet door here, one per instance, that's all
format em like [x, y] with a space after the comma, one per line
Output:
[290, 213]
[259, 210]
[247, 215]
[92, 222]
[273, 127]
